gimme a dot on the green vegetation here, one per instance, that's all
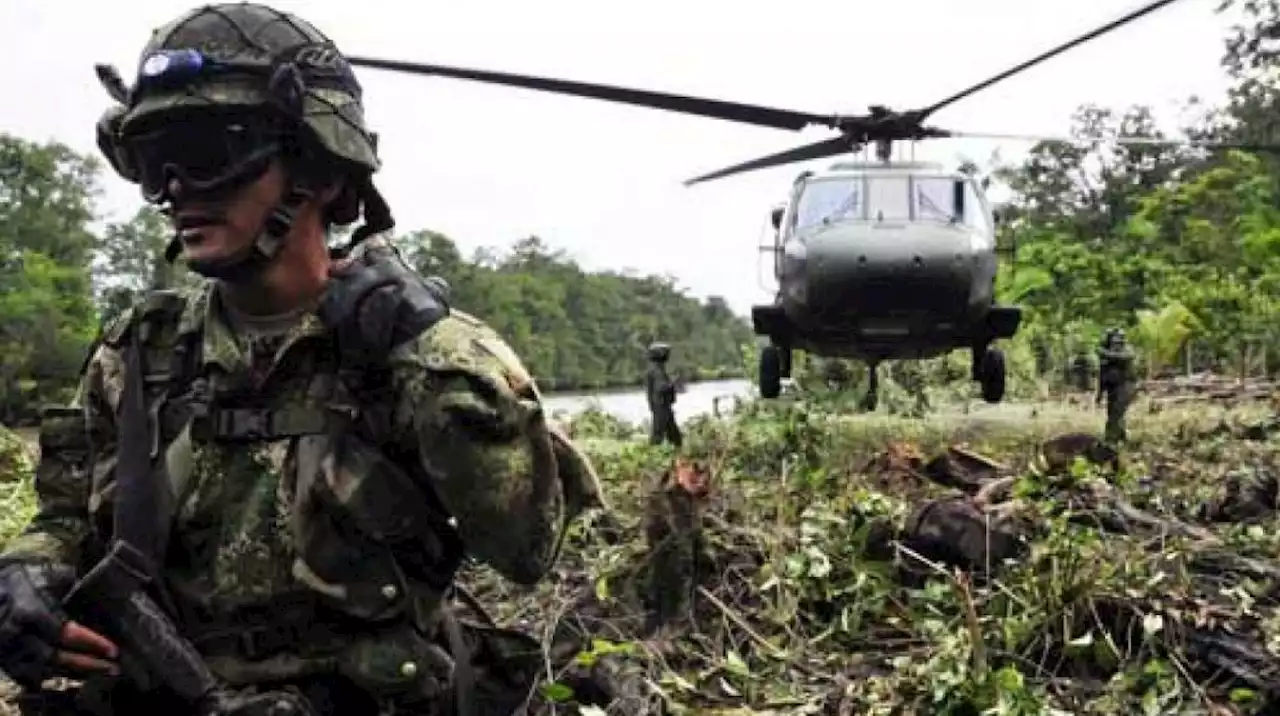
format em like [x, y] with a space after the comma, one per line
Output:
[798, 606]
[1128, 596]
[580, 330]
[1106, 233]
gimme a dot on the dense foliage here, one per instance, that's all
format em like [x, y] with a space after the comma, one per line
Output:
[579, 329]
[1169, 243]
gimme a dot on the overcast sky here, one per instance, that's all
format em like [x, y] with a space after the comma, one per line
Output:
[489, 165]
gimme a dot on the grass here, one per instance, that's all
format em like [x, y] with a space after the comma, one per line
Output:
[792, 611]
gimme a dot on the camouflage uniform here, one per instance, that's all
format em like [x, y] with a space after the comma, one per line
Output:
[661, 393]
[318, 513]
[1117, 381]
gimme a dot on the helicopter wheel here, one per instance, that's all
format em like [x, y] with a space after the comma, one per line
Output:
[991, 375]
[770, 372]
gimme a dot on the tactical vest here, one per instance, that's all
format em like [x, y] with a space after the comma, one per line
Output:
[1116, 369]
[373, 542]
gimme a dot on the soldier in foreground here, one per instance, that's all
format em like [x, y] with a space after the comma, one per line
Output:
[1117, 380]
[661, 392]
[260, 499]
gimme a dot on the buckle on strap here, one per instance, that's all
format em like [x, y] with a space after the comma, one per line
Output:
[289, 421]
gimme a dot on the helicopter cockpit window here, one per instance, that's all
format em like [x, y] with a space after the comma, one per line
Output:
[935, 200]
[829, 200]
[888, 198]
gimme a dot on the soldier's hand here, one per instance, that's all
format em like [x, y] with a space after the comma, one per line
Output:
[375, 302]
[36, 639]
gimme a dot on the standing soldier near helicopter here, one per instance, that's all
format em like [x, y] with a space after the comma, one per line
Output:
[259, 502]
[660, 390]
[1117, 380]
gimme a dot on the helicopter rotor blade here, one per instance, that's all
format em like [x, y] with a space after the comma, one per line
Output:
[1124, 140]
[1097, 32]
[716, 109]
[817, 150]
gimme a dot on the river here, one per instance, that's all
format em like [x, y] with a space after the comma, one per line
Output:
[631, 406]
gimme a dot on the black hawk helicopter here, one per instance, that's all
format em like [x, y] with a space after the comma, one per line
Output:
[874, 261]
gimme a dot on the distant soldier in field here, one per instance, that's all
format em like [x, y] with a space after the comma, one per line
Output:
[911, 376]
[1080, 373]
[1117, 379]
[661, 392]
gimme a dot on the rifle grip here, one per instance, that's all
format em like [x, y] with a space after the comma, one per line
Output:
[115, 592]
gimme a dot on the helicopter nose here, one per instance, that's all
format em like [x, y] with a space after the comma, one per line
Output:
[906, 270]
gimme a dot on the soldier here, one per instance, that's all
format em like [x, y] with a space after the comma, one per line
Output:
[661, 392]
[272, 480]
[911, 376]
[1080, 372]
[1117, 380]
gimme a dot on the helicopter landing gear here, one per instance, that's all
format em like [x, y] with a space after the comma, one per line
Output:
[775, 364]
[990, 372]
[872, 398]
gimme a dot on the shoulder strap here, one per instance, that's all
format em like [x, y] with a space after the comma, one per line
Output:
[157, 311]
[142, 503]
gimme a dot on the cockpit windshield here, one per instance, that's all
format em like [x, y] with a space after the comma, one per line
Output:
[886, 197]
[827, 201]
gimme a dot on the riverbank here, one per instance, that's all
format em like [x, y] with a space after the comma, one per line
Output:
[550, 386]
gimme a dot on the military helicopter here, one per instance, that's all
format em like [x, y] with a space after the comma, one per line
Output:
[874, 261]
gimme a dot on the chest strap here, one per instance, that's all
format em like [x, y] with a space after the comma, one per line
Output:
[259, 423]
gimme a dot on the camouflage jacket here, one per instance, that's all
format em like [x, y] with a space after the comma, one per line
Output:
[1116, 368]
[284, 514]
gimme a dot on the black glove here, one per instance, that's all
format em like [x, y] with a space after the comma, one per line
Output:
[376, 302]
[30, 620]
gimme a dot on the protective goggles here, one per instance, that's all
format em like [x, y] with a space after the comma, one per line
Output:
[206, 155]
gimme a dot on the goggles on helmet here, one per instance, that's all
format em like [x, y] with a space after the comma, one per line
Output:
[206, 155]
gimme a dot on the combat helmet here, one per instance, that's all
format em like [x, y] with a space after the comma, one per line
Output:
[659, 351]
[1114, 337]
[245, 60]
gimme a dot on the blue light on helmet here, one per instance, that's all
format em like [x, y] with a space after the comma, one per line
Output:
[171, 66]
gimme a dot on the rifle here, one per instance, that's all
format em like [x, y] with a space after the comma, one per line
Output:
[124, 595]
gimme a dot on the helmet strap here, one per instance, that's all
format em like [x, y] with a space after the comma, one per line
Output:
[374, 208]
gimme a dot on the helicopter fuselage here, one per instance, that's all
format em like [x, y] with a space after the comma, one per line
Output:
[885, 262]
